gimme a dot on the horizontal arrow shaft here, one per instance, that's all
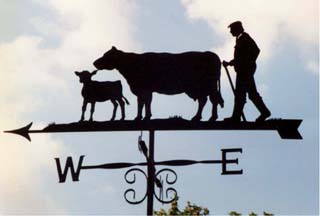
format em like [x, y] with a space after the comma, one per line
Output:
[287, 128]
[160, 163]
[114, 165]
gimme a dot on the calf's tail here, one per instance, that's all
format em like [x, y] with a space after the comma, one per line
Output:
[126, 100]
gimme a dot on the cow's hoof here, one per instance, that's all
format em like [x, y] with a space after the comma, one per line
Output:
[112, 119]
[213, 119]
[196, 118]
[147, 118]
[138, 118]
[122, 119]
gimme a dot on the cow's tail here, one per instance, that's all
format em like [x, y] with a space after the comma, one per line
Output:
[219, 96]
[126, 100]
[220, 99]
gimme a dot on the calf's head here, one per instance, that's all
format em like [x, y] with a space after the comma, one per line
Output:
[109, 61]
[85, 76]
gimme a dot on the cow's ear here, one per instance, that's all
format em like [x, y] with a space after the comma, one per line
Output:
[114, 48]
[77, 73]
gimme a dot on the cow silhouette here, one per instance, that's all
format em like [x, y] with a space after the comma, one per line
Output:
[195, 73]
[95, 91]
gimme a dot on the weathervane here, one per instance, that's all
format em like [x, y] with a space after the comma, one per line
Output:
[196, 74]
[287, 129]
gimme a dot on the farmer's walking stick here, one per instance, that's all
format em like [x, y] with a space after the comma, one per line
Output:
[233, 90]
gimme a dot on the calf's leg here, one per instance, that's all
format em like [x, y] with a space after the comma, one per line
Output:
[84, 107]
[92, 111]
[122, 106]
[115, 106]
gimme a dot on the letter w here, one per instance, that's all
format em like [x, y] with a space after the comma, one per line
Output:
[69, 165]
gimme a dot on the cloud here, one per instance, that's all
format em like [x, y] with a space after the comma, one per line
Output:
[25, 169]
[34, 69]
[88, 29]
[270, 23]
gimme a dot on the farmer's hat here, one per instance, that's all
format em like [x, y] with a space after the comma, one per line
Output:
[236, 25]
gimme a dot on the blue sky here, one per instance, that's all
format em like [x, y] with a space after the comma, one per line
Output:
[42, 43]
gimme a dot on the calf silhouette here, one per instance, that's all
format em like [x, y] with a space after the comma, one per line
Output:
[195, 73]
[95, 91]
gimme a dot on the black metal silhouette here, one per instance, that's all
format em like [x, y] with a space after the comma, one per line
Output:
[75, 172]
[162, 179]
[94, 91]
[195, 73]
[233, 90]
[245, 55]
[168, 182]
[287, 128]
[134, 200]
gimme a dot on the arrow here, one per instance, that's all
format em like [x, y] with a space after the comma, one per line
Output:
[24, 131]
[287, 128]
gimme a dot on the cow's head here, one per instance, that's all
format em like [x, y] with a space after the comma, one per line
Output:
[85, 76]
[109, 60]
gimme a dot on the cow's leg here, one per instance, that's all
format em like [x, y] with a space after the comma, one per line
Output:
[202, 101]
[140, 107]
[214, 98]
[92, 111]
[122, 106]
[84, 107]
[148, 100]
[115, 106]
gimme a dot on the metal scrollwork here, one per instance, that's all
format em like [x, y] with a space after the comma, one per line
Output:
[132, 180]
[170, 178]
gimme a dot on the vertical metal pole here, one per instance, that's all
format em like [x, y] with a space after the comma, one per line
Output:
[151, 173]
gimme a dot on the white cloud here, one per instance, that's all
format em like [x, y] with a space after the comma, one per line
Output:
[26, 71]
[270, 23]
[33, 71]
[25, 168]
[88, 29]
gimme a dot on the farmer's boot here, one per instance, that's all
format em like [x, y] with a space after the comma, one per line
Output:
[237, 111]
[264, 111]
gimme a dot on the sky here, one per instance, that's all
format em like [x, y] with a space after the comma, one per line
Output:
[42, 43]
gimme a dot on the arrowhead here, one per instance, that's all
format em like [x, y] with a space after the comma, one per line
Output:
[24, 131]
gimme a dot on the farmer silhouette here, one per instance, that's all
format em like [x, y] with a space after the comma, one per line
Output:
[244, 62]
